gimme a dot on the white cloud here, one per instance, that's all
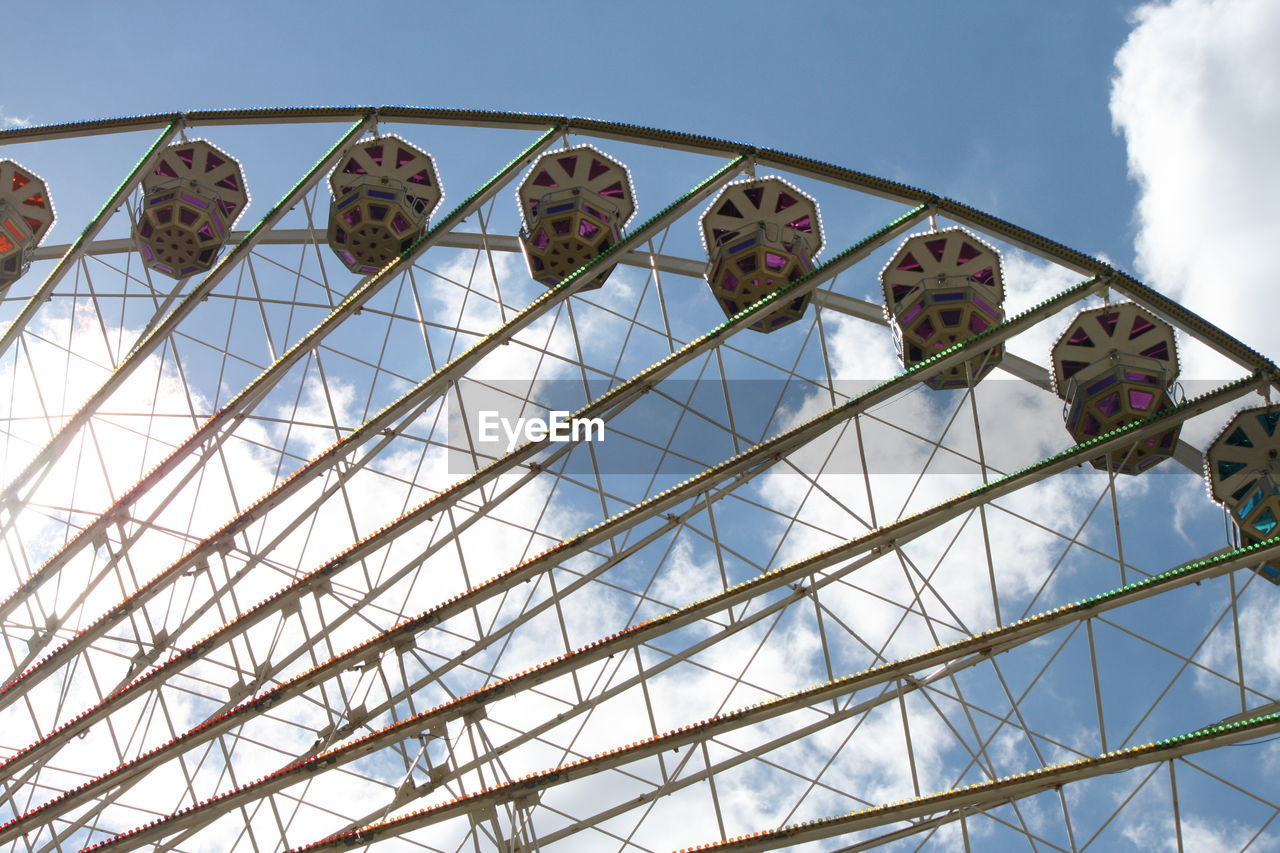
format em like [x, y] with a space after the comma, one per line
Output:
[495, 542]
[1189, 232]
[7, 121]
[1197, 98]
[1198, 833]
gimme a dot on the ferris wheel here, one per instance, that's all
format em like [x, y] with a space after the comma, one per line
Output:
[470, 481]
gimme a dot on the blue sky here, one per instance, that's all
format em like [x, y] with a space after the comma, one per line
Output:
[1132, 131]
[1000, 104]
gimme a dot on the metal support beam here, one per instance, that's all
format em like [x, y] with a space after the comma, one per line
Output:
[437, 383]
[211, 429]
[609, 403]
[874, 542]
[860, 181]
[987, 795]
[455, 240]
[976, 649]
[9, 498]
[320, 640]
[763, 454]
[1185, 454]
[84, 244]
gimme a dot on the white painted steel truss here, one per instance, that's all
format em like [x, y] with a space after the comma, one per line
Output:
[265, 589]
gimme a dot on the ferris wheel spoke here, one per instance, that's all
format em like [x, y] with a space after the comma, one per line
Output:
[463, 361]
[241, 401]
[440, 811]
[528, 613]
[1060, 461]
[143, 348]
[330, 454]
[979, 756]
[580, 595]
[991, 794]
[194, 557]
[1014, 710]
[75, 252]
[1216, 565]
[1070, 542]
[1185, 662]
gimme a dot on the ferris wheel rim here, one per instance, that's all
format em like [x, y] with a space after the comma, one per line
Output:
[864, 182]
